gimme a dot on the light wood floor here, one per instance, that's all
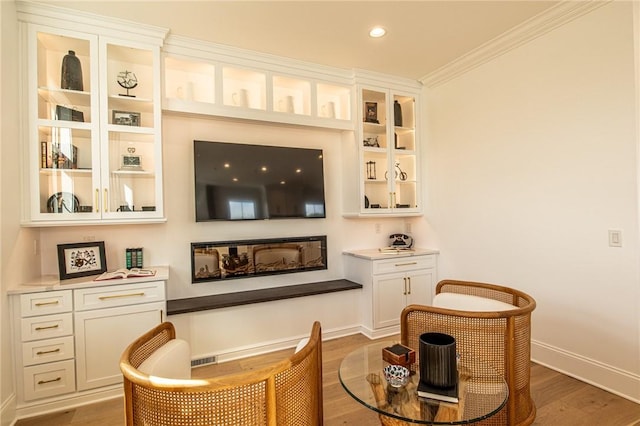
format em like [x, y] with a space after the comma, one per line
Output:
[560, 400]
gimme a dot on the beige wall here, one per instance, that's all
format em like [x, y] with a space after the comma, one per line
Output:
[532, 159]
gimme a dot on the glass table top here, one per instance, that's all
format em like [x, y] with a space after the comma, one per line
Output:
[481, 394]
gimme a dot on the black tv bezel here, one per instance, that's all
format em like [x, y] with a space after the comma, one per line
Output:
[195, 172]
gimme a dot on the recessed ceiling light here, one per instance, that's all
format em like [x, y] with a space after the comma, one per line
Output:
[377, 32]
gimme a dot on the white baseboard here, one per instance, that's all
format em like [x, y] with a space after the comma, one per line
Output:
[66, 402]
[8, 411]
[603, 376]
[380, 332]
[276, 345]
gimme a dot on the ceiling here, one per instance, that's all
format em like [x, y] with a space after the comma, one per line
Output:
[422, 35]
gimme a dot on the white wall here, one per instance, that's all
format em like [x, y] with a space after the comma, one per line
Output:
[531, 160]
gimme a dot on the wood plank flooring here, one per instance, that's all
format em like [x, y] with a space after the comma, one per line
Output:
[560, 400]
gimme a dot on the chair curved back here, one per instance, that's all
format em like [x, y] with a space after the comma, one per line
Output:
[286, 393]
[500, 340]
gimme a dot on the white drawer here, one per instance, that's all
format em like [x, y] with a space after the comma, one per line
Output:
[50, 350]
[51, 379]
[409, 263]
[118, 295]
[46, 327]
[49, 302]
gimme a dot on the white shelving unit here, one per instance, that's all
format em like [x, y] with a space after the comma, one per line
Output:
[383, 168]
[80, 142]
[208, 79]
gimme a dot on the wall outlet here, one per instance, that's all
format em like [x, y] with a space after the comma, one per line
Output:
[378, 228]
[88, 238]
[407, 228]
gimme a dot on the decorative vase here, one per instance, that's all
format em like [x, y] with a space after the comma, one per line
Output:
[397, 114]
[438, 367]
[71, 72]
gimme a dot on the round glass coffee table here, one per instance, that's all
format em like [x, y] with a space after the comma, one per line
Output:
[481, 394]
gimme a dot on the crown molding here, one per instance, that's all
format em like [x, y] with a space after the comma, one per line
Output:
[547, 21]
[47, 14]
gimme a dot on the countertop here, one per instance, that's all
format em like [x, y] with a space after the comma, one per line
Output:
[53, 282]
[377, 254]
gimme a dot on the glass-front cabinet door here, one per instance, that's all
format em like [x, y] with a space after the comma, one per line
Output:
[131, 156]
[388, 153]
[64, 124]
[94, 147]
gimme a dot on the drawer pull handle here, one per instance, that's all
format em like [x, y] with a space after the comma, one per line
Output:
[47, 327]
[54, 302]
[117, 296]
[406, 264]
[48, 352]
[42, 382]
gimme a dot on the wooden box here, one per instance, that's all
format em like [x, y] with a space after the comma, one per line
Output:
[399, 354]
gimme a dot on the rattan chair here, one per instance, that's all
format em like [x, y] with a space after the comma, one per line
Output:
[286, 393]
[499, 339]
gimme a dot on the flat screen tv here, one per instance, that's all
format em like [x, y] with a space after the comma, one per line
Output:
[236, 181]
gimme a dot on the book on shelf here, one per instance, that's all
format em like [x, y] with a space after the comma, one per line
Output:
[440, 394]
[126, 273]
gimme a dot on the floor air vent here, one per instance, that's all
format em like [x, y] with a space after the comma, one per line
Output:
[203, 361]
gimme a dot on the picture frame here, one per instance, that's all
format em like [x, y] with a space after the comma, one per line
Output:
[371, 112]
[126, 118]
[81, 259]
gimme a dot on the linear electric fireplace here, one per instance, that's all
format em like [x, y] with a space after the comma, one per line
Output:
[211, 261]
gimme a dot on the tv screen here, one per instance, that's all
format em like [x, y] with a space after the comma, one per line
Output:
[249, 182]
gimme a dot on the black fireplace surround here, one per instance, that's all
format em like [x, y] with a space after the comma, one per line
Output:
[213, 261]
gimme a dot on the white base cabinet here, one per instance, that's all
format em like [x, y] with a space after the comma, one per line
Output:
[68, 342]
[390, 282]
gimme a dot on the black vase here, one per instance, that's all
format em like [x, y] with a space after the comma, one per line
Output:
[397, 114]
[438, 366]
[71, 72]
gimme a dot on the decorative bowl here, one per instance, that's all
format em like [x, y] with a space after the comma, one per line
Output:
[396, 375]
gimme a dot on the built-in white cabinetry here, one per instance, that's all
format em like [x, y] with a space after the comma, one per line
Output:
[385, 164]
[69, 336]
[209, 79]
[45, 349]
[390, 282]
[130, 309]
[92, 147]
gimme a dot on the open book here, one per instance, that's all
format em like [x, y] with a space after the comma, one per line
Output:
[126, 273]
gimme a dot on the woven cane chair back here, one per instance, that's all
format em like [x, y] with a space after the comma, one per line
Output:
[286, 393]
[497, 340]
